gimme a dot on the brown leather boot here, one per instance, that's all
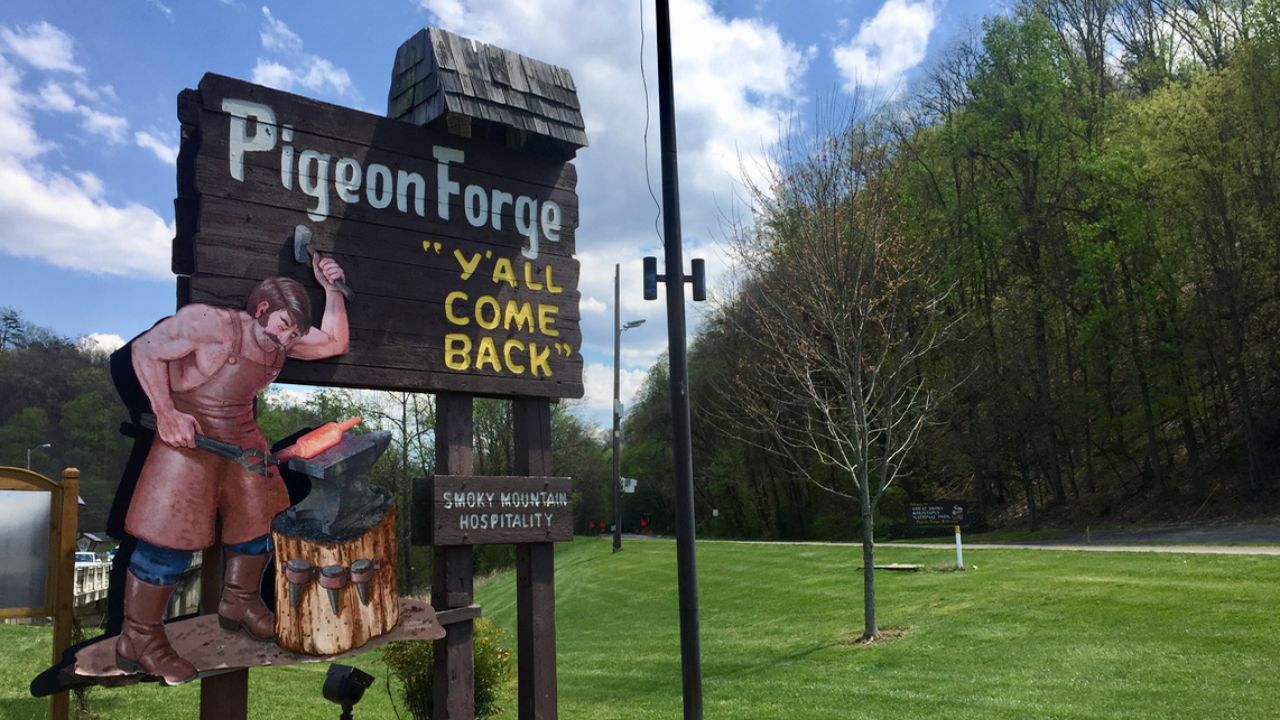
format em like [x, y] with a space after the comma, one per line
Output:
[142, 645]
[241, 606]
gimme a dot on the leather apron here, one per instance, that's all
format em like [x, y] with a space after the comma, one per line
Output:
[180, 490]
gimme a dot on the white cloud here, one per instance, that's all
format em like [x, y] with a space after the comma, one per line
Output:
[315, 74]
[112, 127]
[272, 74]
[165, 150]
[101, 94]
[598, 400]
[42, 46]
[887, 45]
[99, 343]
[164, 9]
[737, 83]
[63, 217]
[54, 97]
[297, 69]
[276, 36]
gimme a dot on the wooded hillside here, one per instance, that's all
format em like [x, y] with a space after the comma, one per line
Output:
[1096, 182]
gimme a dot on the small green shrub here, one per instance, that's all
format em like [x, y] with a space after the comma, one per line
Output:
[410, 662]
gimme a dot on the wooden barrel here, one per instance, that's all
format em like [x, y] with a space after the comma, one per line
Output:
[329, 571]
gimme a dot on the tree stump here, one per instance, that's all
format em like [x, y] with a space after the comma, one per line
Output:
[316, 571]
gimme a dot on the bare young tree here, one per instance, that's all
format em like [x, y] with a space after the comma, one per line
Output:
[839, 322]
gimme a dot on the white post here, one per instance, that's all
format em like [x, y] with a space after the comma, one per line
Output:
[959, 551]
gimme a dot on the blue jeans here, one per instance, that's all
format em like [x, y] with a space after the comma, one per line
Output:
[163, 566]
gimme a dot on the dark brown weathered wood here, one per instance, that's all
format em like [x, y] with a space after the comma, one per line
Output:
[536, 631]
[418, 277]
[374, 130]
[399, 317]
[493, 510]
[232, 258]
[452, 569]
[262, 186]
[437, 72]
[535, 575]
[264, 230]
[457, 615]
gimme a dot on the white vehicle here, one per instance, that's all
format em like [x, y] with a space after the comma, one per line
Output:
[86, 559]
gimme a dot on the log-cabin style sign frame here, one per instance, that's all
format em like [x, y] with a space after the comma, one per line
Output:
[58, 531]
[459, 253]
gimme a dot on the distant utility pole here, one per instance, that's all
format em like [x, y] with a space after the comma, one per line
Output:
[618, 329]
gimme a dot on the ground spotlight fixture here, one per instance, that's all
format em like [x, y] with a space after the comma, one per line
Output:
[345, 685]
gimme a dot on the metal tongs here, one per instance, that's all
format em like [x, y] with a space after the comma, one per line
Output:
[252, 459]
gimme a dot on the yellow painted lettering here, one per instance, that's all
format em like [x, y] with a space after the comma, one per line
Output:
[512, 365]
[502, 271]
[495, 312]
[539, 360]
[528, 277]
[468, 268]
[448, 307]
[547, 320]
[552, 287]
[519, 313]
[487, 354]
[457, 351]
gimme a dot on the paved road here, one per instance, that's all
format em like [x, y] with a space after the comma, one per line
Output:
[1096, 547]
[1245, 539]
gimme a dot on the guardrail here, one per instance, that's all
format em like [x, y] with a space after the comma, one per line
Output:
[93, 581]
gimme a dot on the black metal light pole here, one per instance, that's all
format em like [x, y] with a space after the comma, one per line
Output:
[690, 644]
[618, 329]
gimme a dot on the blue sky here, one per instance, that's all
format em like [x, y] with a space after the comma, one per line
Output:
[88, 132]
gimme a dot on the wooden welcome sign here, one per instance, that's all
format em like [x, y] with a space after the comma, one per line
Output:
[459, 252]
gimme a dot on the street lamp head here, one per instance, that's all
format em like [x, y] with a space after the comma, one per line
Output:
[632, 324]
[44, 445]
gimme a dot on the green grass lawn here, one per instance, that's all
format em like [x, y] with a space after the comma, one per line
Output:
[1019, 635]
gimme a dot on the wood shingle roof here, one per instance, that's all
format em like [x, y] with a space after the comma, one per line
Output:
[443, 78]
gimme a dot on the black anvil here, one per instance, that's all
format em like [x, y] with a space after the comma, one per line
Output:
[340, 499]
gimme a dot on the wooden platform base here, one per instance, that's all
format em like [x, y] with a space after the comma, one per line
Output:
[213, 650]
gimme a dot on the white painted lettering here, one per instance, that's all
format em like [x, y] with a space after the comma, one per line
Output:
[550, 221]
[264, 136]
[315, 183]
[404, 181]
[346, 180]
[379, 188]
[445, 188]
[526, 225]
[475, 205]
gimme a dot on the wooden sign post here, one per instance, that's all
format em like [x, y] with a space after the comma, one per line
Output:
[531, 511]
[454, 220]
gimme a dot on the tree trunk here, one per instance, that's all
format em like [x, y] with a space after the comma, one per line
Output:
[1044, 408]
[312, 627]
[870, 630]
[1028, 485]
